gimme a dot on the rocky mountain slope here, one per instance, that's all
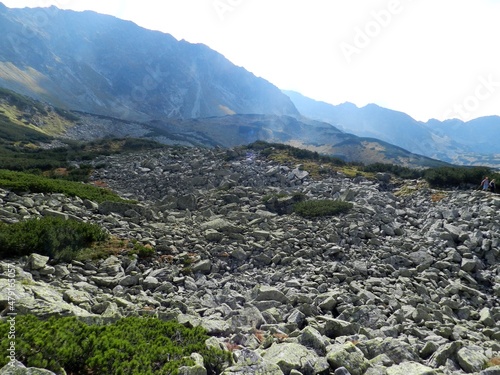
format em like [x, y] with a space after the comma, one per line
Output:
[407, 282]
[453, 141]
[23, 119]
[104, 65]
[237, 130]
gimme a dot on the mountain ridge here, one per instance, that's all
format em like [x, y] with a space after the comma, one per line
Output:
[453, 141]
[147, 74]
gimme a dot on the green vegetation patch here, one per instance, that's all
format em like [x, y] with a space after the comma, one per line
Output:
[322, 207]
[269, 149]
[20, 155]
[21, 102]
[135, 346]
[20, 182]
[397, 170]
[55, 237]
[457, 176]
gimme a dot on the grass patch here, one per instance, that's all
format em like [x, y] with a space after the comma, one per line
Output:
[132, 345]
[102, 249]
[321, 208]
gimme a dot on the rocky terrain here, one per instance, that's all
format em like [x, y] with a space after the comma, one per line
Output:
[407, 282]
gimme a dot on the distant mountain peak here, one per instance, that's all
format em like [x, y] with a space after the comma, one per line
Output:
[453, 141]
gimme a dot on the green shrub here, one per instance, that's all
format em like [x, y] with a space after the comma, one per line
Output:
[55, 237]
[25, 182]
[139, 346]
[267, 149]
[143, 251]
[455, 176]
[323, 207]
[397, 170]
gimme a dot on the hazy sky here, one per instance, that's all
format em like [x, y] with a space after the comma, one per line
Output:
[428, 58]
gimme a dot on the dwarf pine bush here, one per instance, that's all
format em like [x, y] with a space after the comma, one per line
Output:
[27, 182]
[321, 207]
[133, 345]
[55, 237]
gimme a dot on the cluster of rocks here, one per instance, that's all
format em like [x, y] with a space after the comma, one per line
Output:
[402, 284]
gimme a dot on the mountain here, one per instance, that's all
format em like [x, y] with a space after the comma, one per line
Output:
[28, 122]
[476, 134]
[101, 64]
[324, 138]
[453, 141]
[373, 121]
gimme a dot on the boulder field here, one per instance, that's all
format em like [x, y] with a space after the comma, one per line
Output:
[406, 282]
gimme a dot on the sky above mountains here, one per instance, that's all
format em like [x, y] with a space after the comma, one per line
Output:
[431, 59]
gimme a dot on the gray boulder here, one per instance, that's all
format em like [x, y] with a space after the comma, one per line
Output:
[348, 356]
[410, 368]
[471, 359]
[250, 363]
[17, 368]
[293, 356]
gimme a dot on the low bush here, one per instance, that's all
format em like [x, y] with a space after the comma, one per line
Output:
[55, 237]
[136, 346]
[268, 149]
[20, 182]
[446, 177]
[143, 251]
[397, 170]
[322, 207]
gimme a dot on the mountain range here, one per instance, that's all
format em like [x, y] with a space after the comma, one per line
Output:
[454, 141]
[100, 65]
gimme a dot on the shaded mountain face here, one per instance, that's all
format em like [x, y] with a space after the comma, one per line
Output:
[453, 141]
[229, 131]
[23, 119]
[104, 65]
[373, 121]
[479, 135]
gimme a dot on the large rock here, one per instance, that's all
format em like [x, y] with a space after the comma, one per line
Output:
[221, 225]
[348, 356]
[292, 356]
[311, 338]
[410, 368]
[250, 363]
[197, 369]
[268, 293]
[397, 350]
[39, 299]
[17, 368]
[36, 262]
[471, 359]
[337, 327]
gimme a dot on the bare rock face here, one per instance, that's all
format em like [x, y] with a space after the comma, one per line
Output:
[399, 284]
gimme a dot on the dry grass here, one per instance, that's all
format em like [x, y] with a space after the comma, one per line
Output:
[280, 336]
[231, 346]
[259, 335]
[436, 197]
[112, 246]
[495, 361]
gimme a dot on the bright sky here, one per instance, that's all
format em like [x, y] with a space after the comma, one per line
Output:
[428, 58]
